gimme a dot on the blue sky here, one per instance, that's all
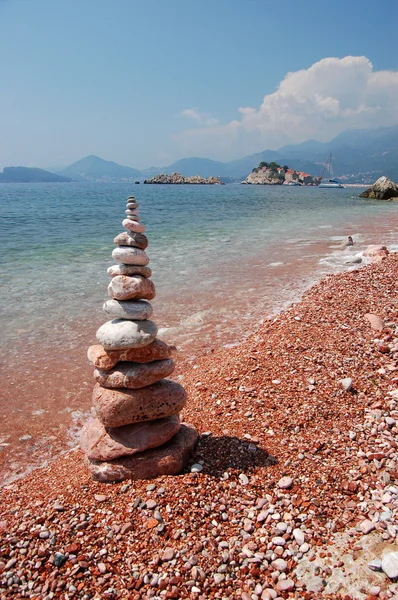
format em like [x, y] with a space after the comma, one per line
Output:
[145, 82]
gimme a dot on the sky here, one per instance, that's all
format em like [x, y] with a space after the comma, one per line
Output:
[146, 82]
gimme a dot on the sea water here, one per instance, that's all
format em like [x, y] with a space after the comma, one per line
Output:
[223, 259]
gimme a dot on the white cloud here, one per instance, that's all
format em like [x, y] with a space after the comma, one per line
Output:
[329, 97]
[201, 118]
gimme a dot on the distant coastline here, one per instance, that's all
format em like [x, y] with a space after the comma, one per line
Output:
[30, 175]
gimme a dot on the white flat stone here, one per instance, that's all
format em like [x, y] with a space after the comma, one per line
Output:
[389, 564]
[119, 334]
[346, 383]
[138, 310]
[128, 255]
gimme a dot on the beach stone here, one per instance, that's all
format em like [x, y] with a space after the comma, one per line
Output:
[169, 459]
[346, 383]
[137, 310]
[132, 205]
[299, 536]
[285, 483]
[103, 444]
[279, 565]
[196, 468]
[117, 407]
[116, 270]
[375, 322]
[119, 334]
[285, 585]
[366, 526]
[107, 359]
[375, 565]
[124, 287]
[134, 375]
[133, 226]
[126, 238]
[375, 250]
[128, 255]
[389, 564]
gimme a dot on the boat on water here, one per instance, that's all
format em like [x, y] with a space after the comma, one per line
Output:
[329, 183]
[293, 183]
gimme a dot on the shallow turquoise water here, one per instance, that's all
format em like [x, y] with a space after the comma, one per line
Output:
[57, 240]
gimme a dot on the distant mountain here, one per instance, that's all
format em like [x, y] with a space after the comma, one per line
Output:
[360, 155]
[94, 168]
[189, 167]
[30, 175]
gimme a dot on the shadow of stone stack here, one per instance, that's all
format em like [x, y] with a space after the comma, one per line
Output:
[137, 433]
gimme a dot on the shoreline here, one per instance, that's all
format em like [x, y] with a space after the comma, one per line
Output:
[61, 411]
[276, 408]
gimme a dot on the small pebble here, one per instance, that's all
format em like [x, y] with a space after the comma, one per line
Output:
[100, 497]
[285, 483]
[196, 468]
[346, 383]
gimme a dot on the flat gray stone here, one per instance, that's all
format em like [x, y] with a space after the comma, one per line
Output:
[129, 270]
[136, 310]
[134, 375]
[130, 256]
[119, 334]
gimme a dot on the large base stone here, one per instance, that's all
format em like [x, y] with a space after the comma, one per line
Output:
[134, 375]
[107, 359]
[169, 459]
[103, 444]
[115, 408]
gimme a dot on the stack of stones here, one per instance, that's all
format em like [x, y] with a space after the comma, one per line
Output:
[137, 433]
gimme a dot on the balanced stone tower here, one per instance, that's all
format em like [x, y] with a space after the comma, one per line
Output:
[137, 433]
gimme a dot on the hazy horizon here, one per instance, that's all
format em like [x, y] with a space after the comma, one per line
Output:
[146, 83]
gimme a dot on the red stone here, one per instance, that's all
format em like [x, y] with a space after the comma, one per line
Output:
[169, 459]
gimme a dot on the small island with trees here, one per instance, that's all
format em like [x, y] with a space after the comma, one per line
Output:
[178, 179]
[274, 174]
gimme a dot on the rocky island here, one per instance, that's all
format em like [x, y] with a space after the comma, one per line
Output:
[274, 174]
[382, 189]
[178, 179]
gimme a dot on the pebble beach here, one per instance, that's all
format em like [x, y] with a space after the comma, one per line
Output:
[291, 491]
